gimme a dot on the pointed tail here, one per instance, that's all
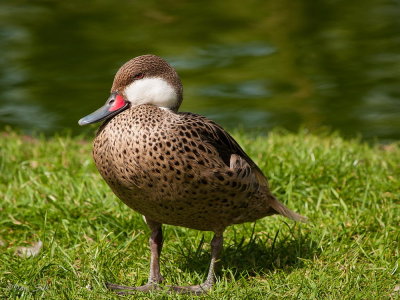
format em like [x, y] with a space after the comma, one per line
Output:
[284, 211]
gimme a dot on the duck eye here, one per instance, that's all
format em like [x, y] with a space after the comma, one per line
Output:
[138, 76]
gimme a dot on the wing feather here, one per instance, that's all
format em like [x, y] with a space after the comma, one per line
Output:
[229, 150]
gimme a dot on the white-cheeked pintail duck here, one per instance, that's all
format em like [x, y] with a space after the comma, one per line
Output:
[175, 168]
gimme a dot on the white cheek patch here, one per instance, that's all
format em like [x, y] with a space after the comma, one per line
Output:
[154, 91]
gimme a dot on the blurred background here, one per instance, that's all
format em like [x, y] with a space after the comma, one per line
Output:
[253, 64]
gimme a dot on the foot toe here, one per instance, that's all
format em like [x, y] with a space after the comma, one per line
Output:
[192, 289]
[143, 288]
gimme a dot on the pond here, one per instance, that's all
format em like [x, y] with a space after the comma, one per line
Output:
[259, 65]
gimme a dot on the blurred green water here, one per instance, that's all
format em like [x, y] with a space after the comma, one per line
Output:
[254, 64]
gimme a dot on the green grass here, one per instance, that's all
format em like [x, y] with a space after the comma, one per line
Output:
[350, 191]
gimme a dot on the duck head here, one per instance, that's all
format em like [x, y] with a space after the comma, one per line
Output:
[146, 79]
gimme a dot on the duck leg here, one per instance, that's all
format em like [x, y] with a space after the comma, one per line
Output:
[216, 247]
[156, 243]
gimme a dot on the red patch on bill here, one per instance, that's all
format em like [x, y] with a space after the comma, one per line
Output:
[118, 103]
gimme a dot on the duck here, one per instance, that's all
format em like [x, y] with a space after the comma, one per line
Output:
[174, 168]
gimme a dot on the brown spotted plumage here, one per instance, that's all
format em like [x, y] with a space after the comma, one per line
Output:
[176, 168]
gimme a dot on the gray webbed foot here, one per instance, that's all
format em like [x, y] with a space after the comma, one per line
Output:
[192, 289]
[126, 290]
[155, 277]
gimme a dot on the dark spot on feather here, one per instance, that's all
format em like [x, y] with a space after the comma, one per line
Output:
[219, 176]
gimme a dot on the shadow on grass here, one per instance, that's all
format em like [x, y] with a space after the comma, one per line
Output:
[256, 256]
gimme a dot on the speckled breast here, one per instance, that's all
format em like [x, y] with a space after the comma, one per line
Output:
[160, 167]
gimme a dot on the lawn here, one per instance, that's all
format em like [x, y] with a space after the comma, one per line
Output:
[350, 191]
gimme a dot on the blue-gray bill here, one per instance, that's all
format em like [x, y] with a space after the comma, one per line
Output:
[114, 105]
